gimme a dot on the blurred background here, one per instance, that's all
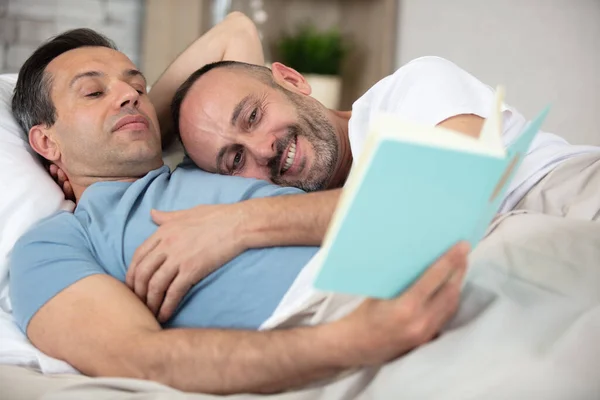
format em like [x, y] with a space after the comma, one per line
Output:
[542, 51]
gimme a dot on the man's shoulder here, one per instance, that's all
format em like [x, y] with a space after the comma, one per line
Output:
[52, 255]
[426, 69]
[426, 90]
[407, 75]
[194, 186]
[427, 62]
[59, 219]
[209, 181]
[61, 226]
[418, 82]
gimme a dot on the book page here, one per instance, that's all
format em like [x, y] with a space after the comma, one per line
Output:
[357, 173]
[391, 126]
[505, 177]
[491, 132]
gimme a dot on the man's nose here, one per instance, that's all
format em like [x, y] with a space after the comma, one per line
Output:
[127, 96]
[264, 148]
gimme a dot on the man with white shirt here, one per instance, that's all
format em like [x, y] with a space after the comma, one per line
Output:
[428, 90]
[251, 121]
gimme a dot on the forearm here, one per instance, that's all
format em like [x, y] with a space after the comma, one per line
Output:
[288, 220]
[102, 329]
[236, 38]
[223, 362]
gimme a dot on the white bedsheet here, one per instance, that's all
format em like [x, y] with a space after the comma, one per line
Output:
[528, 324]
[15, 349]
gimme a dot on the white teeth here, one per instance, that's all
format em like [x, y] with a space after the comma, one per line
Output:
[290, 157]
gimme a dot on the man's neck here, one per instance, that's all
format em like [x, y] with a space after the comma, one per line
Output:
[341, 121]
[80, 183]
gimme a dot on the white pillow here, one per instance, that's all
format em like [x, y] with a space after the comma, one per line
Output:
[28, 192]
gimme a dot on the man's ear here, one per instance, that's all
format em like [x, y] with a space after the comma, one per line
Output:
[42, 142]
[290, 78]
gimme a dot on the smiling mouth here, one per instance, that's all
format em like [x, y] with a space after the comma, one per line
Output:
[290, 156]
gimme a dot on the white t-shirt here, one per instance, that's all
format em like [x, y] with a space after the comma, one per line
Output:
[430, 90]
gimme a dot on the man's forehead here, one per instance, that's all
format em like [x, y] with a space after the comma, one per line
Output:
[206, 114]
[202, 119]
[82, 59]
[215, 94]
[225, 80]
[202, 140]
[209, 101]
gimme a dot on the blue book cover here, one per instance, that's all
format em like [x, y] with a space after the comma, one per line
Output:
[413, 194]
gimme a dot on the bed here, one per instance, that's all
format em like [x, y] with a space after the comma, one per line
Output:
[528, 325]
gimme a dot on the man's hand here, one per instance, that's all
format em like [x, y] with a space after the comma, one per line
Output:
[382, 330]
[187, 247]
[191, 244]
[62, 180]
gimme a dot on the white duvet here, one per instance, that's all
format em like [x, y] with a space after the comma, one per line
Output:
[528, 324]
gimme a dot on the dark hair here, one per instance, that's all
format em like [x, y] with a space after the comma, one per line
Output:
[32, 104]
[260, 72]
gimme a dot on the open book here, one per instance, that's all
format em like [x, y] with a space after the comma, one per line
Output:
[414, 193]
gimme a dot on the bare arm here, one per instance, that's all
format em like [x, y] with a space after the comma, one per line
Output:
[235, 38]
[296, 219]
[287, 220]
[303, 219]
[103, 329]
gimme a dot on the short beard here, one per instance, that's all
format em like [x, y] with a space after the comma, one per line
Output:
[314, 126]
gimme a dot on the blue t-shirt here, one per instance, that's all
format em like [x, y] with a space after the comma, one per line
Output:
[113, 218]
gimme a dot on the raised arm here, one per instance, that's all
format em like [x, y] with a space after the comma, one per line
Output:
[235, 38]
[102, 329]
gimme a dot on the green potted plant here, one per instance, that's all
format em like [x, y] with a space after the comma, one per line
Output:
[317, 55]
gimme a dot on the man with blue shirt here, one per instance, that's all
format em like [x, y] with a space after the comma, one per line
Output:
[85, 109]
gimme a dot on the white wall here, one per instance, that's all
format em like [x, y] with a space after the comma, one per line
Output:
[25, 24]
[542, 51]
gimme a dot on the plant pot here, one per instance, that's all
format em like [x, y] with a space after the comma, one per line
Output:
[327, 89]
